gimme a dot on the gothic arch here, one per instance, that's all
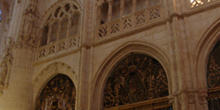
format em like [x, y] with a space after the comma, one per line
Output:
[48, 73]
[61, 21]
[204, 48]
[56, 5]
[59, 93]
[120, 53]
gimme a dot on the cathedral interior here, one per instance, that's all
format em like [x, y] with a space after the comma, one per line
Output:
[109, 54]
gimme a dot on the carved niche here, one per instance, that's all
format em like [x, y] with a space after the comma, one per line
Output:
[58, 94]
[213, 78]
[136, 78]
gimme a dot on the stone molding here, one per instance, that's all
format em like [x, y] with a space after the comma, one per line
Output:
[49, 72]
[5, 66]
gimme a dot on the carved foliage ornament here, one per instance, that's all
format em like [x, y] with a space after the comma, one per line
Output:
[58, 94]
[136, 78]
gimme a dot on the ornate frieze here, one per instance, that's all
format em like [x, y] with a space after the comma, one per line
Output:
[58, 94]
[136, 78]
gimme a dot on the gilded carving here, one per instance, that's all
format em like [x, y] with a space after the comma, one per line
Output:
[213, 73]
[58, 94]
[136, 78]
[213, 78]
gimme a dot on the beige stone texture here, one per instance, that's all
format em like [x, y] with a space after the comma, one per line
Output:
[181, 38]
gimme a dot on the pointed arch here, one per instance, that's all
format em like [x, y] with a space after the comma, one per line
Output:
[120, 53]
[58, 93]
[204, 48]
[54, 6]
[61, 21]
[48, 73]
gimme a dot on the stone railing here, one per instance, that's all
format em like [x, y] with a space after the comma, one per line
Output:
[196, 3]
[58, 47]
[129, 22]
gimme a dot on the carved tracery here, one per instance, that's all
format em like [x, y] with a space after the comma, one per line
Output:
[213, 78]
[58, 94]
[62, 22]
[136, 78]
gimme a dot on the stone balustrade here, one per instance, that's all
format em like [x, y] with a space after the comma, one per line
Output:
[64, 45]
[129, 22]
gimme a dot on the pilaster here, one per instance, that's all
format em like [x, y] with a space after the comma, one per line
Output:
[185, 94]
[84, 75]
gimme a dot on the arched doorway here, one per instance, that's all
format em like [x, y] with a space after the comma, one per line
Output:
[138, 82]
[213, 78]
[58, 94]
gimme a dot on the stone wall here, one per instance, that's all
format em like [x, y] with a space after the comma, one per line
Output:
[180, 38]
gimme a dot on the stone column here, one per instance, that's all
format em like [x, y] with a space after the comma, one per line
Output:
[185, 93]
[122, 4]
[84, 75]
[121, 14]
[49, 33]
[18, 91]
[134, 7]
[109, 10]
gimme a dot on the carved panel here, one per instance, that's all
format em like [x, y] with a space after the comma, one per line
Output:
[127, 22]
[58, 94]
[154, 13]
[115, 27]
[136, 78]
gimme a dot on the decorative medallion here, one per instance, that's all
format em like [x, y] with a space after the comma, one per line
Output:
[136, 78]
[58, 94]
